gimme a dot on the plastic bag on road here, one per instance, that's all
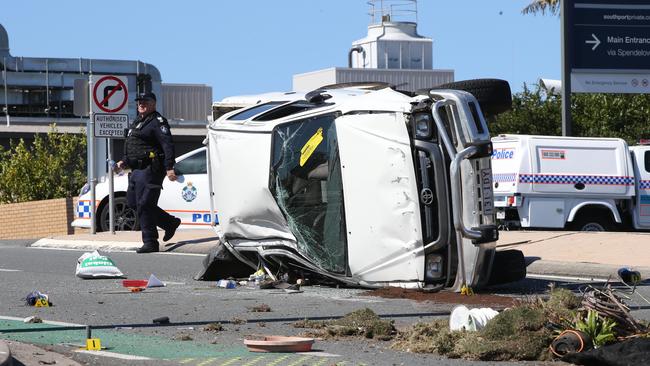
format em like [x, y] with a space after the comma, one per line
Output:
[95, 265]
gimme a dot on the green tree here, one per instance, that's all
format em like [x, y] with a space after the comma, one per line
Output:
[534, 112]
[54, 166]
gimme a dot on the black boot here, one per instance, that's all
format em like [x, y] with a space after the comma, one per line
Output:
[170, 233]
[148, 248]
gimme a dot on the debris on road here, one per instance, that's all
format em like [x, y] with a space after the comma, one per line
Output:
[229, 284]
[363, 322]
[213, 327]
[32, 319]
[462, 318]
[571, 341]
[38, 299]
[278, 344]
[161, 320]
[446, 297]
[183, 337]
[155, 282]
[94, 265]
[261, 308]
[533, 329]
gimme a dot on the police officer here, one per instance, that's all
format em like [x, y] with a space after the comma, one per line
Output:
[149, 152]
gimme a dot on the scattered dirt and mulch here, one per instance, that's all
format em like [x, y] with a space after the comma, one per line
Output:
[363, 322]
[445, 297]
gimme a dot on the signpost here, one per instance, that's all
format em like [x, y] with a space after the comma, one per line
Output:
[109, 119]
[606, 47]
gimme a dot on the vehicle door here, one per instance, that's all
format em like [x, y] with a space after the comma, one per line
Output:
[188, 197]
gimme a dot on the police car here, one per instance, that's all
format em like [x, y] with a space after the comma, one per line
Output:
[186, 198]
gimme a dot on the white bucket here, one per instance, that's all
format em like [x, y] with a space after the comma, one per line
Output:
[462, 318]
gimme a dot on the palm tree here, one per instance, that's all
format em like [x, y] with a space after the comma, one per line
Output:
[552, 6]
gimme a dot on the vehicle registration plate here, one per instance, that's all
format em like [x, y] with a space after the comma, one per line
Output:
[501, 215]
[487, 197]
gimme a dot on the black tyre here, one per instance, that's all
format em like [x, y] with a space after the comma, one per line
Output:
[508, 266]
[493, 95]
[591, 223]
[126, 219]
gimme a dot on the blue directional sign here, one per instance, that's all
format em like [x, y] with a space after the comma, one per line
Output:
[610, 35]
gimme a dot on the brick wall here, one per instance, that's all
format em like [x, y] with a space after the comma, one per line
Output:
[37, 219]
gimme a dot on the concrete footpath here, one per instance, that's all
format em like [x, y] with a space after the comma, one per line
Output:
[588, 255]
[197, 241]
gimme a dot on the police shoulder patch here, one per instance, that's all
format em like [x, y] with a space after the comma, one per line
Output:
[164, 129]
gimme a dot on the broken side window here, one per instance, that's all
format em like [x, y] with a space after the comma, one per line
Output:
[306, 183]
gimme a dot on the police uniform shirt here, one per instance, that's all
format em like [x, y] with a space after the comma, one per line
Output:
[150, 133]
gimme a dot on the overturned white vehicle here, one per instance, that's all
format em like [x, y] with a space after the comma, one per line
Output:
[363, 185]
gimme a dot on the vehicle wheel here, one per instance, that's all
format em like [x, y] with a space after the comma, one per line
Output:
[493, 95]
[126, 219]
[591, 223]
[508, 266]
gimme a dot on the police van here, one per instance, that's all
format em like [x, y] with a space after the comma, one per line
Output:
[186, 198]
[367, 186]
[573, 183]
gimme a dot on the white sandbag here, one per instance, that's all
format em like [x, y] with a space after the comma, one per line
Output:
[94, 265]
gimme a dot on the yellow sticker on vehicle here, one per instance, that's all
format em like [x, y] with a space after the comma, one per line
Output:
[310, 146]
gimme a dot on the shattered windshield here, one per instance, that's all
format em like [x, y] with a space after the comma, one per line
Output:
[306, 183]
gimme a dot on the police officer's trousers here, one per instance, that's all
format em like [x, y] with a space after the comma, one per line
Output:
[142, 195]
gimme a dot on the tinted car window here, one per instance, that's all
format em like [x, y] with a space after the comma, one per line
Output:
[250, 112]
[195, 164]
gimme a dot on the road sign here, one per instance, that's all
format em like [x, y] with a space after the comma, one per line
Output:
[610, 45]
[109, 94]
[112, 126]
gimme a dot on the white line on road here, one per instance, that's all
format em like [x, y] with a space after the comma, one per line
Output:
[564, 278]
[10, 270]
[114, 355]
[60, 324]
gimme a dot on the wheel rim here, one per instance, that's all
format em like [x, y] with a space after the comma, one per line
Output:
[125, 217]
[593, 226]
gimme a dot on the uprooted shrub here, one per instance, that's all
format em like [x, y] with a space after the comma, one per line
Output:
[519, 333]
[363, 322]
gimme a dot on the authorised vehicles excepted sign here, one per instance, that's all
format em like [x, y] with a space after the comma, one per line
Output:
[109, 101]
[111, 125]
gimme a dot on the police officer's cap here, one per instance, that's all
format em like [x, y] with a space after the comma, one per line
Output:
[146, 96]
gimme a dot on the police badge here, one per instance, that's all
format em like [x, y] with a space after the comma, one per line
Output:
[189, 192]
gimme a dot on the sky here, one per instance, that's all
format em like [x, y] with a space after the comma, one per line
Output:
[255, 46]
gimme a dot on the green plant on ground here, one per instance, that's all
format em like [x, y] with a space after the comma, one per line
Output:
[601, 330]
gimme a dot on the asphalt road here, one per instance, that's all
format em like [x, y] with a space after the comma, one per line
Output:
[123, 320]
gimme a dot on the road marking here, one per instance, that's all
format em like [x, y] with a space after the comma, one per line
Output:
[322, 361]
[277, 361]
[231, 361]
[299, 361]
[10, 270]
[254, 361]
[318, 354]
[114, 355]
[187, 360]
[209, 360]
[565, 278]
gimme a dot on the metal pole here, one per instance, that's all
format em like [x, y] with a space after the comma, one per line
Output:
[91, 157]
[111, 194]
[47, 87]
[567, 58]
[4, 78]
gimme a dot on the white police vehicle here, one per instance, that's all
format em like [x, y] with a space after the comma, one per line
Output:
[186, 198]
